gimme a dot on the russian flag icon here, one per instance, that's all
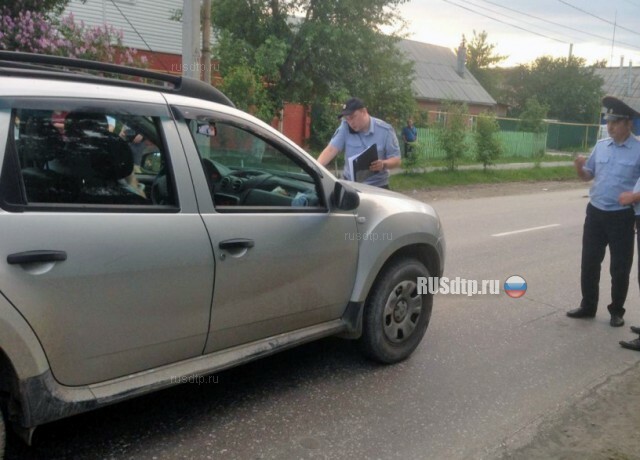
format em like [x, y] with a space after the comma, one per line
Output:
[515, 286]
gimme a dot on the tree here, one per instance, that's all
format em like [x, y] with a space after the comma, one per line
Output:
[533, 115]
[488, 146]
[452, 134]
[14, 7]
[571, 90]
[245, 89]
[34, 31]
[317, 51]
[481, 57]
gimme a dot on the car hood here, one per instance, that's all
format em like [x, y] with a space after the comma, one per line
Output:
[383, 201]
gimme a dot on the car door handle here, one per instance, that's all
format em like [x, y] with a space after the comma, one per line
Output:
[28, 257]
[236, 243]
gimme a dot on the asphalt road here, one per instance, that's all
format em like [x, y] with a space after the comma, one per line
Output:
[489, 371]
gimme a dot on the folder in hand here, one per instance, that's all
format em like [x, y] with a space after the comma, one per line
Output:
[359, 164]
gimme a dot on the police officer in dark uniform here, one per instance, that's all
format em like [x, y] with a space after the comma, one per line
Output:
[614, 166]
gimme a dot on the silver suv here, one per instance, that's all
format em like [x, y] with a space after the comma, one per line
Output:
[152, 232]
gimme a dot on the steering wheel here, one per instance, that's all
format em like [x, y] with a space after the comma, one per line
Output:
[211, 172]
[160, 189]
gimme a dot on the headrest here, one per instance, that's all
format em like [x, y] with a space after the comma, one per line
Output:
[86, 124]
[106, 154]
[111, 158]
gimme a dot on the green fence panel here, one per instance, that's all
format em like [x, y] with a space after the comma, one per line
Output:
[559, 136]
[571, 137]
[515, 144]
[508, 124]
[428, 146]
[522, 144]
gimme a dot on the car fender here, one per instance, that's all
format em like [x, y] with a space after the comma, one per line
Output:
[389, 223]
[19, 343]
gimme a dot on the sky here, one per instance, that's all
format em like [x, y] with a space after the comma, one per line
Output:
[527, 29]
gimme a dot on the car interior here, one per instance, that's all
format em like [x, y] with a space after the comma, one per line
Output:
[81, 157]
[243, 170]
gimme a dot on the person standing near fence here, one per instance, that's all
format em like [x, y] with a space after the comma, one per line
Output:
[614, 166]
[409, 136]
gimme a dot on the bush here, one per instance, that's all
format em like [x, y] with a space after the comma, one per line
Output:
[451, 135]
[488, 146]
[33, 32]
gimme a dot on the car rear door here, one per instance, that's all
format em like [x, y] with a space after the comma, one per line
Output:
[113, 276]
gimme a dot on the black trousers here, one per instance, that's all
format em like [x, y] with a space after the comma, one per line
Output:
[638, 242]
[602, 229]
[408, 150]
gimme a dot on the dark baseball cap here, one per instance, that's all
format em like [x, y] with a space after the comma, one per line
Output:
[351, 106]
[616, 109]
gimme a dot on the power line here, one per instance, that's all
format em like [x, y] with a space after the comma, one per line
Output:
[138, 34]
[510, 17]
[598, 17]
[504, 22]
[607, 39]
[523, 28]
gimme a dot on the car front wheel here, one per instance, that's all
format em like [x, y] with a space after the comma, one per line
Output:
[396, 316]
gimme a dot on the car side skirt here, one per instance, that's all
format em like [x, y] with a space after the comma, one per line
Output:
[44, 399]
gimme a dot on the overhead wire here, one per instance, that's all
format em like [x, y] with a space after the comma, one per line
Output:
[598, 17]
[607, 39]
[480, 13]
[138, 34]
[508, 16]
[504, 22]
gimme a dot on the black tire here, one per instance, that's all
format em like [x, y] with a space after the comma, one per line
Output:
[395, 315]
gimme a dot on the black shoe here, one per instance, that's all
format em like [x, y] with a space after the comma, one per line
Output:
[631, 344]
[635, 329]
[581, 313]
[616, 321]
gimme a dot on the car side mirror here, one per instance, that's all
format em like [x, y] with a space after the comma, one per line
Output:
[151, 162]
[345, 197]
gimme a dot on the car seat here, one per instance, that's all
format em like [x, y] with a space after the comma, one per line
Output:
[99, 160]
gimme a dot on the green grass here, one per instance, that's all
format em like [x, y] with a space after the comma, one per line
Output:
[413, 181]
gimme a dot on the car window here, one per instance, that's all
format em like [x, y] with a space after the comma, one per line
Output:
[244, 170]
[85, 157]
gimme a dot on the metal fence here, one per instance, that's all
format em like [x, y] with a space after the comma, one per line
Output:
[571, 136]
[516, 143]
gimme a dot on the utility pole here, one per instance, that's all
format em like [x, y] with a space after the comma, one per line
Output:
[613, 40]
[206, 41]
[191, 38]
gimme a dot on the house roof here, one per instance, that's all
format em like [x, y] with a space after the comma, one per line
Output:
[623, 83]
[436, 76]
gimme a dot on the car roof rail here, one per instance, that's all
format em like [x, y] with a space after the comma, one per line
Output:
[57, 67]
